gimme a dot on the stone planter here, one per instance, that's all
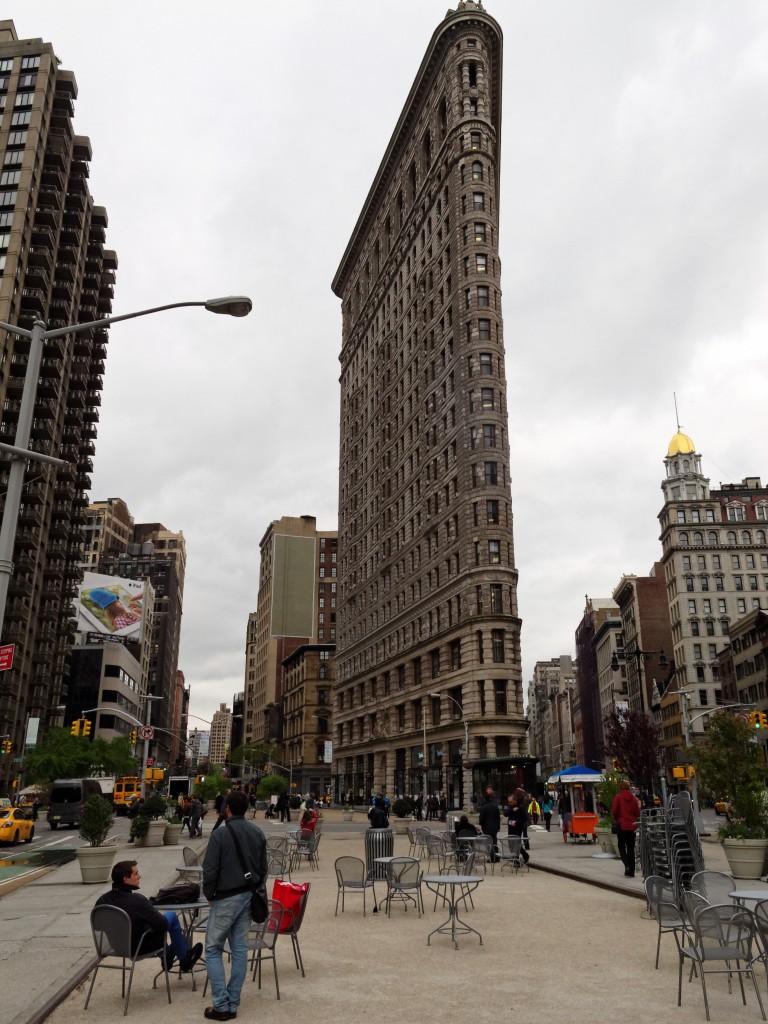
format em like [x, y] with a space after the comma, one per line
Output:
[155, 834]
[746, 857]
[347, 815]
[609, 843]
[401, 826]
[95, 863]
[172, 834]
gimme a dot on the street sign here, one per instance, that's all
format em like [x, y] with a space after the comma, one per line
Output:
[150, 762]
[146, 732]
[6, 656]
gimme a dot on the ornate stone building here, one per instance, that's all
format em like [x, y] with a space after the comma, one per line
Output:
[428, 646]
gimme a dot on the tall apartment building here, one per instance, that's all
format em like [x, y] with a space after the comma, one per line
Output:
[296, 605]
[53, 267]
[429, 634]
[608, 647]
[307, 716]
[221, 735]
[589, 720]
[647, 636]
[552, 739]
[108, 530]
[198, 745]
[715, 559]
[158, 555]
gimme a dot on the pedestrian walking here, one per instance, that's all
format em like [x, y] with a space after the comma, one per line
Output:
[625, 810]
[377, 814]
[534, 810]
[218, 806]
[418, 806]
[490, 820]
[196, 817]
[547, 806]
[564, 810]
[284, 807]
[229, 895]
[442, 806]
[517, 821]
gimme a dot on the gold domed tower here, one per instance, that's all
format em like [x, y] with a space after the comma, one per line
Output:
[684, 479]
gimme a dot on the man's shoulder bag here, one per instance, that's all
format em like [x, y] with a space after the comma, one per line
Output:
[259, 908]
[182, 892]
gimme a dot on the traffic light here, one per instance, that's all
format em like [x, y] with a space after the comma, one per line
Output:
[7, 746]
[758, 720]
[76, 726]
[87, 726]
[763, 719]
[134, 737]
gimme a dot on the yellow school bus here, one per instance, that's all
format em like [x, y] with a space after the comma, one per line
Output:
[127, 789]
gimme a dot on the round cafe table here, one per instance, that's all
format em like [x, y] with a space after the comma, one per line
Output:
[742, 896]
[454, 925]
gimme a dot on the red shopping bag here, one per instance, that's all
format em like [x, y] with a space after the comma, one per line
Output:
[291, 896]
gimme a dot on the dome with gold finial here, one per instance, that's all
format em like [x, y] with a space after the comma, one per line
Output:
[680, 444]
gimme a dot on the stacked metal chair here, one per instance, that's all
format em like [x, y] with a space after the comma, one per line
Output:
[669, 843]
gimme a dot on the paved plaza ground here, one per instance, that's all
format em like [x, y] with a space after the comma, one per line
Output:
[554, 949]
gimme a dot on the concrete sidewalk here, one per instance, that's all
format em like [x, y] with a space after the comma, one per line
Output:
[45, 933]
[553, 950]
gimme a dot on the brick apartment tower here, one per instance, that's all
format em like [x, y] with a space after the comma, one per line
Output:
[53, 267]
[296, 605]
[427, 584]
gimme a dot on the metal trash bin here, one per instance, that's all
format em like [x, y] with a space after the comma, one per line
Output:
[379, 842]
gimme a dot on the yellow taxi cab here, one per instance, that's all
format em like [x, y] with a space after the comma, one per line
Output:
[721, 807]
[16, 824]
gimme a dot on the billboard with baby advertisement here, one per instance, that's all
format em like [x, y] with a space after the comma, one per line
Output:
[111, 605]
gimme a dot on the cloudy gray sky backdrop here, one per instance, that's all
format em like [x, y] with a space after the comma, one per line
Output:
[233, 149]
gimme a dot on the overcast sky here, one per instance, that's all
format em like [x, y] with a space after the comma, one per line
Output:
[233, 151]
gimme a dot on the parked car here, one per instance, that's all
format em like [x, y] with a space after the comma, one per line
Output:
[15, 824]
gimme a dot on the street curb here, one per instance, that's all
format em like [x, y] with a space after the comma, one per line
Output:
[9, 886]
[609, 886]
[41, 1013]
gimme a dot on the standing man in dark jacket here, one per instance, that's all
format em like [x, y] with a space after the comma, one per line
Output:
[517, 821]
[490, 820]
[148, 924]
[229, 894]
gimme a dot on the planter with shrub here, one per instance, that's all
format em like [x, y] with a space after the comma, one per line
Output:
[96, 858]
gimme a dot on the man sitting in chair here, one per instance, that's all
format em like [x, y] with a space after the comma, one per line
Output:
[145, 919]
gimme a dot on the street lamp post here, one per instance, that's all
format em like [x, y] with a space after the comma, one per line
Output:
[19, 451]
[466, 781]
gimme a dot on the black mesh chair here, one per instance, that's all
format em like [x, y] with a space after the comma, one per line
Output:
[351, 876]
[664, 910]
[262, 942]
[111, 928]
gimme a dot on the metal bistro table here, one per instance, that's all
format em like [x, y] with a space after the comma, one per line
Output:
[188, 914]
[454, 925]
[386, 861]
[742, 896]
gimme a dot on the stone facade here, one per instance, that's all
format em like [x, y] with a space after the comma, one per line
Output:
[429, 633]
[552, 739]
[54, 268]
[307, 715]
[589, 726]
[715, 559]
[296, 605]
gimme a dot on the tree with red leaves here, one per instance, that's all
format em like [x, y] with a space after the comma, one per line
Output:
[633, 740]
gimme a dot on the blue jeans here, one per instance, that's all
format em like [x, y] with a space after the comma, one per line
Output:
[228, 921]
[176, 941]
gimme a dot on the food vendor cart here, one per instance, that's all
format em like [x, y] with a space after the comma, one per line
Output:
[579, 783]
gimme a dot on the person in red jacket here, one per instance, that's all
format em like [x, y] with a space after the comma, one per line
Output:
[625, 810]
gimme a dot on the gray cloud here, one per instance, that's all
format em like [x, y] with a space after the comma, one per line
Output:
[233, 152]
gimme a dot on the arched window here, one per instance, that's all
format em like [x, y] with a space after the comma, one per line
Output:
[477, 171]
[760, 536]
[730, 537]
[746, 537]
[698, 537]
[712, 537]
[686, 465]
[683, 539]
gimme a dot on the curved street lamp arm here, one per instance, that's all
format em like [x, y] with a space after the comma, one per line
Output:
[113, 711]
[15, 329]
[105, 321]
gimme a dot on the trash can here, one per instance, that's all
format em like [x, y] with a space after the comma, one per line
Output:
[379, 842]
